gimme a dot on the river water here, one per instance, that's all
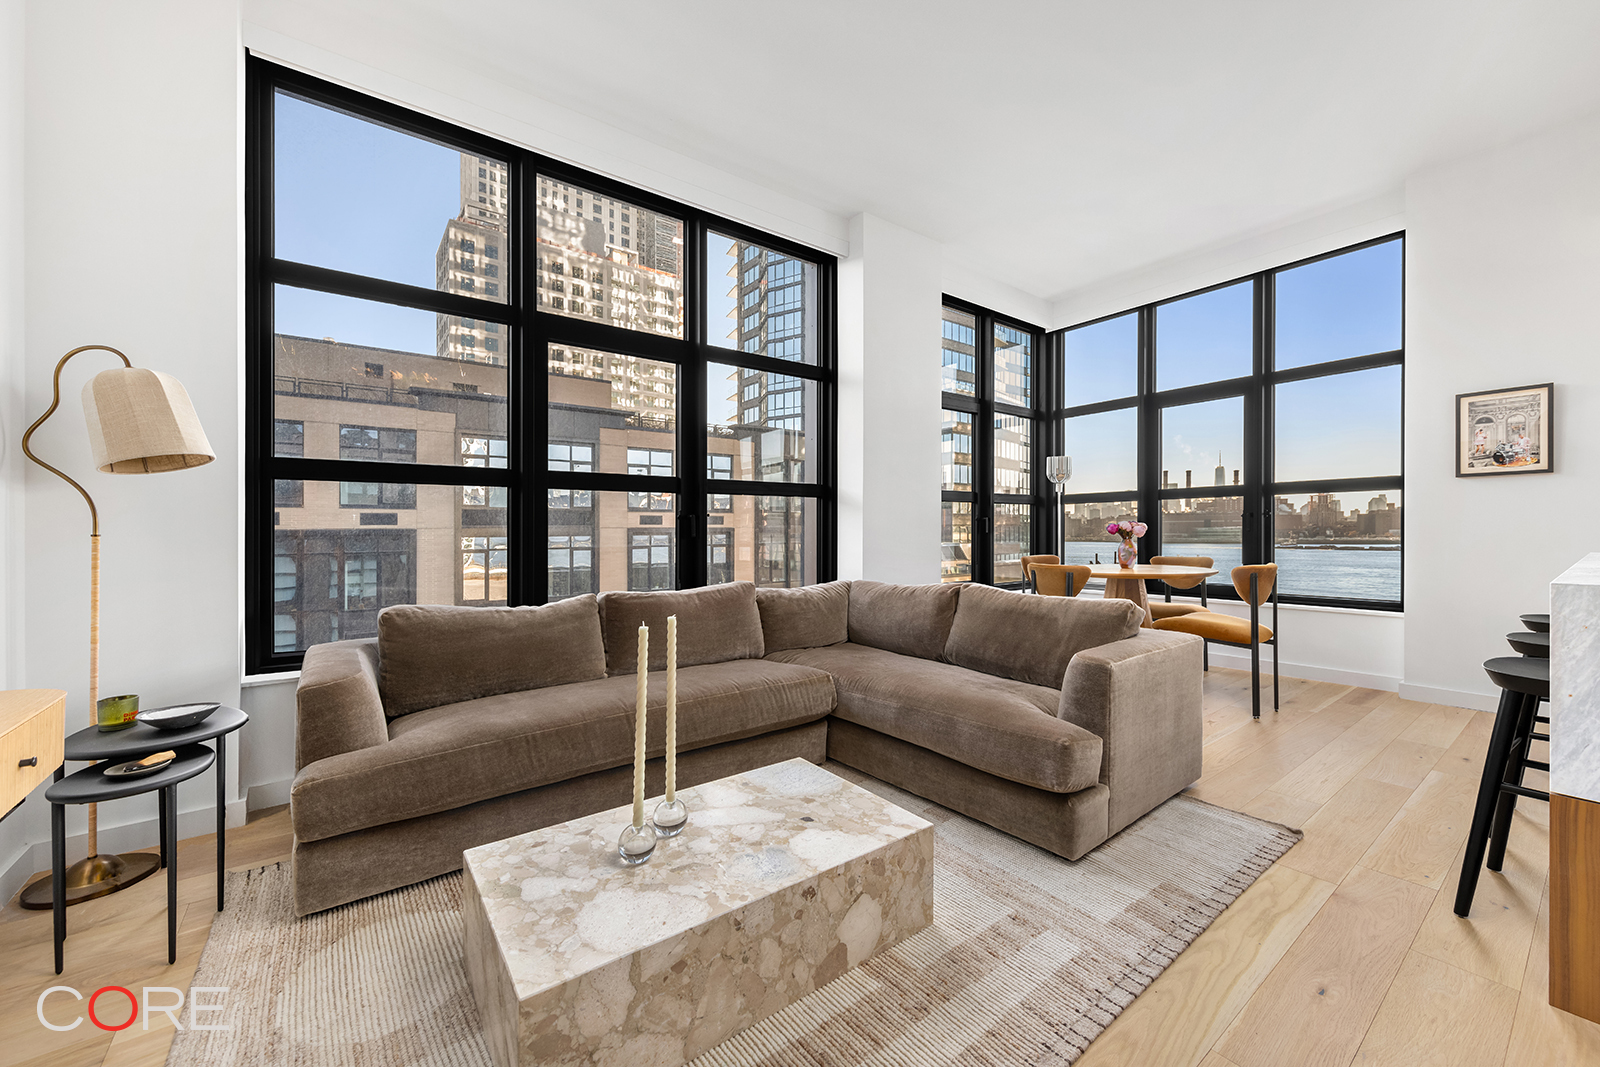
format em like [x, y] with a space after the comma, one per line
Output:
[1354, 573]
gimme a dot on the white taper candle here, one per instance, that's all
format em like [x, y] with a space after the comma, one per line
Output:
[672, 708]
[638, 730]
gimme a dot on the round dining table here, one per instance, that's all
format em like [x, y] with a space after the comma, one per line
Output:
[1127, 583]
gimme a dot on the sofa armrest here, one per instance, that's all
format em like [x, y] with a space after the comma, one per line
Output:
[1142, 696]
[337, 707]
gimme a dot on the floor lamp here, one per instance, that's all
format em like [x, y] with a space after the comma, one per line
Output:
[139, 422]
[1059, 470]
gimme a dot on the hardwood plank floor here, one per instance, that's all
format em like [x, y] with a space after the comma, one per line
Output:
[1438, 1016]
[1333, 978]
[1345, 951]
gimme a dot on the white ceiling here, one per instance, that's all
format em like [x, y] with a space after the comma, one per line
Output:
[1053, 144]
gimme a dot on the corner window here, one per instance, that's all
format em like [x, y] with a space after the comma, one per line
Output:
[1266, 445]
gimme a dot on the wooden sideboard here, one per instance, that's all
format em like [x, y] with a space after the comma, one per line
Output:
[32, 735]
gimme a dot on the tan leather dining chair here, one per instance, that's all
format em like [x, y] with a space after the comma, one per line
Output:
[1256, 584]
[1167, 609]
[1027, 567]
[1055, 579]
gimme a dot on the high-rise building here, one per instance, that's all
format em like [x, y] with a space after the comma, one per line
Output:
[1221, 474]
[606, 259]
[960, 353]
[471, 261]
[773, 314]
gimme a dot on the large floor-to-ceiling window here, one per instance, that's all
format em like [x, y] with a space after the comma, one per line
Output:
[1255, 421]
[990, 383]
[480, 376]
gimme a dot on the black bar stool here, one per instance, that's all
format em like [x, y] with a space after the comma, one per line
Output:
[1532, 644]
[1523, 682]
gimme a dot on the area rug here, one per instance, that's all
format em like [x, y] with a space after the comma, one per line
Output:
[1028, 959]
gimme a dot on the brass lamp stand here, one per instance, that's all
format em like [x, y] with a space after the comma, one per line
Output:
[139, 422]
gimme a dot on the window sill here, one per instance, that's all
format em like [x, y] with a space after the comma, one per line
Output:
[251, 681]
[1230, 604]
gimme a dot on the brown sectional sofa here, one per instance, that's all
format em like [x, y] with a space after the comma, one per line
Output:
[1059, 721]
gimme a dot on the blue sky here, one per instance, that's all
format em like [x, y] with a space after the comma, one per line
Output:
[358, 197]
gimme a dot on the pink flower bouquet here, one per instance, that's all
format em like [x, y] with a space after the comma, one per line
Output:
[1128, 531]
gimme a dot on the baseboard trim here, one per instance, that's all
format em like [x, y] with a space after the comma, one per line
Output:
[1427, 694]
[124, 837]
[268, 795]
[1239, 659]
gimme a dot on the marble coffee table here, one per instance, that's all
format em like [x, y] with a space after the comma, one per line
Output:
[785, 878]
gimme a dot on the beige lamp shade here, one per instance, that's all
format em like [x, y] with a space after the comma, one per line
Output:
[141, 422]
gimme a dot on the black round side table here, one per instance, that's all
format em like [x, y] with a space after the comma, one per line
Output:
[93, 786]
[140, 740]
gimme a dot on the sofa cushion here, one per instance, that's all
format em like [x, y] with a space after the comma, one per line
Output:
[913, 620]
[808, 617]
[445, 757]
[1033, 638]
[429, 655]
[1004, 727]
[715, 624]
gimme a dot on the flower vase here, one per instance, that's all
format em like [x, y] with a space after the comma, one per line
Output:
[1126, 553]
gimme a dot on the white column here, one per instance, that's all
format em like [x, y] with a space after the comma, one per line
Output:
[889, 298]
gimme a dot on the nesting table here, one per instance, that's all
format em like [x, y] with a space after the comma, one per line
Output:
[785, 877]
[92, 786]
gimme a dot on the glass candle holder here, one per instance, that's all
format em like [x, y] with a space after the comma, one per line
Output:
[116, 713]
[636, 844]
[670, 817]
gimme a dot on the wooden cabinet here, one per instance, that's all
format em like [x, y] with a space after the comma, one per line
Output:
[1575, 906]
[32, 733]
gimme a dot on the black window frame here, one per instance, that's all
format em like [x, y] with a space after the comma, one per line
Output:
[1257, 483]
[983, 407]
[530, 332]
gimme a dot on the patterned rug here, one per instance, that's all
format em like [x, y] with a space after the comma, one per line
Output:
[1028, 959]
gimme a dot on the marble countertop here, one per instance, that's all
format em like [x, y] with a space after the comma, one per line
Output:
[562, 904]
[1575, 681]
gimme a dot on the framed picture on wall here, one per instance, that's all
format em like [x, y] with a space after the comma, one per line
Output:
[1505, 431]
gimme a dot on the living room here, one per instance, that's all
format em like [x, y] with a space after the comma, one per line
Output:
[989, 218]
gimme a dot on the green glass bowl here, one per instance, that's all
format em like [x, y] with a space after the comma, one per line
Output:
[116, 713]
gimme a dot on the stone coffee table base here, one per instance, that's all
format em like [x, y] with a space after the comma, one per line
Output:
[785, 878]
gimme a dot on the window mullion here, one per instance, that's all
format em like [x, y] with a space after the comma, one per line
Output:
[378, 451]
[1258, 489]
[693, 529]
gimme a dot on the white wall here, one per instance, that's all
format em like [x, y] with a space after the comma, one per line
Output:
[1365, 648]
[1315, 233]
[13, 831]
[382, 57]
[1502, 283]
[133, 178]
[959, 280]
[889, 502]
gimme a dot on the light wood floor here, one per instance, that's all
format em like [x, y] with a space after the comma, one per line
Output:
[1345, 952]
